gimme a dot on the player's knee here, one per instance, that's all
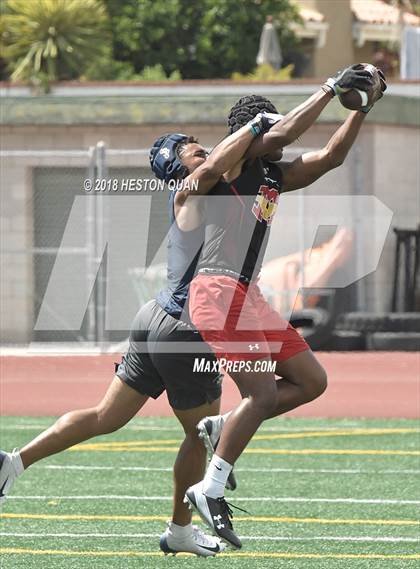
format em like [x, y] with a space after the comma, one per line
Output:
[191, 434]
[84, 420]
[317, 383]
[321, 381]
[106, 422]
[193, 444]
[265, 400]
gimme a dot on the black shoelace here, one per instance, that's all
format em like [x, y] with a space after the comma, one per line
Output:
[228, 511]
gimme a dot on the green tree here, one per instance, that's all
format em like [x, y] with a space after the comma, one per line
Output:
[147, 33]
[206, 39]
[48, 40]
[406, 5]
[231, 32]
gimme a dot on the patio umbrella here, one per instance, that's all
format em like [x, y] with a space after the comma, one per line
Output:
[269, 51]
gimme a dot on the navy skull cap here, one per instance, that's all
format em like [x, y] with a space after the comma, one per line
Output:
[164, 159]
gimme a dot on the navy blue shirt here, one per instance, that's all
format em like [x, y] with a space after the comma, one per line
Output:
[184, 248]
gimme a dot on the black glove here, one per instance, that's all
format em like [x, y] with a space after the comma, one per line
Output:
[378, 92]
[383, 80]
[353, 77]
[262, 122]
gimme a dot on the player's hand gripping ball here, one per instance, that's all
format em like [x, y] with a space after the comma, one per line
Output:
[361, 100]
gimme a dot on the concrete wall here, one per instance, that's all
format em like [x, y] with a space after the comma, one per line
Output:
[16, 282]
[16, 198]
[338, 49]
[397, 184]
[363, 54]
[389, 169]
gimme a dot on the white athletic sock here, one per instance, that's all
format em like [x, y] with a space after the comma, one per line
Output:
[215, 479]
[180, 532]
[17, 462]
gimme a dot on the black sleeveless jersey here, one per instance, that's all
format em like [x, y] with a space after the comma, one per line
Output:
[238, 216]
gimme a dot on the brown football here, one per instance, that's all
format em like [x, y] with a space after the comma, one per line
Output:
[355, 99]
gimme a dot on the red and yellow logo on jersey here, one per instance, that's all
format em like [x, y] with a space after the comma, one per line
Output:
[265, 204]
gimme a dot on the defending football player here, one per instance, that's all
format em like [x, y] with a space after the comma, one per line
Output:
[143, 374]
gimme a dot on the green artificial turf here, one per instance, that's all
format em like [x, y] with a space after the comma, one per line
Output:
[320, 494]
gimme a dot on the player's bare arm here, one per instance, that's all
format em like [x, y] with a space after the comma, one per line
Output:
[310, 166]
[179, 159]
[298, 120]
[208, 171]
[223, 157]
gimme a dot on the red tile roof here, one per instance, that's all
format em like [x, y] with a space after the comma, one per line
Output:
[310, 15]
[378, 12]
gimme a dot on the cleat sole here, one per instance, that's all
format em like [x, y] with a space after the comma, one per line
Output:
[205, 437]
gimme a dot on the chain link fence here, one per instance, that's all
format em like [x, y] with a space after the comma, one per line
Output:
[46, 185]
[36, 209]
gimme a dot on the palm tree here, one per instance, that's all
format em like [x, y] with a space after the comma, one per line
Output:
[49, 40]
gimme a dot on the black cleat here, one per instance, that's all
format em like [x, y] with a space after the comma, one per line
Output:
[214, 512]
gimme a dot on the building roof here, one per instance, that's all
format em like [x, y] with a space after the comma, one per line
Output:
[150, 105]
[366, 12]
[378, 12]
[310, 15]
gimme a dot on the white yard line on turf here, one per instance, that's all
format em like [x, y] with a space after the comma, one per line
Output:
[245, 537]
[80, 467]
[31, 427]
[285, 430]
[264, 470]
[263, 429]
[253, 499]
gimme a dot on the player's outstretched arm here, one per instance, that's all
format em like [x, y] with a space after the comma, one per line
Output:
[223, 157]
[310, 166]
[298, 120]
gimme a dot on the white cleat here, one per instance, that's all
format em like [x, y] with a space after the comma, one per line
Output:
[196, 542]
[209, 430]
[8, 473]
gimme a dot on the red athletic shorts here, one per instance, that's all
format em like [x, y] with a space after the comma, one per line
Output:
[238, 323]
